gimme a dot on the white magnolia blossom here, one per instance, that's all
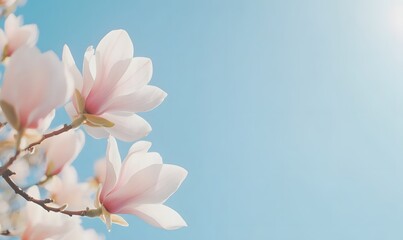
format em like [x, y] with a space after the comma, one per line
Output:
[9, 6]
[41, 224]
[41, 194]
[16, 35]
[65, 189]
[113, 87]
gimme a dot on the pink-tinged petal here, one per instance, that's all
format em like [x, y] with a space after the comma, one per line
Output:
[62, 149]
[113, 166]
[97, 132]
[18, 35]
[144, 99]
[136, 186]
[71, 111]
[34, 213]
[140, 146]
[27, 35]
[137, 75]
[44, 123]
[137, 162]
[102, 91]
[100, 170]
[3, 42]
[12, 23]
[127, 128]
[114, 47]
[26, 74]
[59, 88]
[170, 179]
[89, 71]
[68, 60]
[157, 215]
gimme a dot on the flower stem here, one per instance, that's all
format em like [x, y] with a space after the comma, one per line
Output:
[4, 168]
[43, 202]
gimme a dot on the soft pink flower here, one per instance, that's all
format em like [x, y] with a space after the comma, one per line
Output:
[16, 35]
[139, 187]
[34, 85]
[61, 150]
[41, 224]
[99, 171]
[113, 86]
[9, 6]
[65, 189]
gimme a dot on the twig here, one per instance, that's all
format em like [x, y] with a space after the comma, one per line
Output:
[65, 128]
[5, 233]
[42, 202]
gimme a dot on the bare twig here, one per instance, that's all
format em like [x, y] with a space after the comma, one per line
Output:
[2, 124]
[43, 202]
[65, 128]
[5, 233]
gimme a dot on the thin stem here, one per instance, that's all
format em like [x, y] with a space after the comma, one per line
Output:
[5, 233]
[2, 124]
[42, 202]
[65, 128]
[4, 168]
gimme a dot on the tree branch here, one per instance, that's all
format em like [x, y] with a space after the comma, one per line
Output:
[42, 202]
[65, 128]
[5, 233]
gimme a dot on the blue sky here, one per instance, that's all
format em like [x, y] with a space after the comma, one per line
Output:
[287, 114]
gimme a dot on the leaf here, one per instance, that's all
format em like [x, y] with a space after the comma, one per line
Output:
[79, 101]
[10, 114]
[96, 121]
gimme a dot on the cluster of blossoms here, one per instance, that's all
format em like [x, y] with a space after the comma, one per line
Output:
[41, 196]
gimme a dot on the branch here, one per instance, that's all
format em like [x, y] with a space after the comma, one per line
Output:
[5, 233]
[87, 212]
[65, 128]
[4, 168]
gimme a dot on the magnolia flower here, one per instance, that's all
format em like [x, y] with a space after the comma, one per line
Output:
[61, 150]
[139, 187]
[41, 224]
[34, 85]
[112, 88]
[99, 172]
[16, 35]
[22, 170]
[9, 6]
[65, 189]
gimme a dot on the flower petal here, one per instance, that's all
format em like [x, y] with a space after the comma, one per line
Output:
[113, 166]
[137, 75]
[62, 149]
[126, 128]
[24, 79]
[126, 194]
[97, 132]
[170, 178]
[145, 99]
[114, 47]
[89, 71]
[68, 60]
[136, 162]
[157, 215]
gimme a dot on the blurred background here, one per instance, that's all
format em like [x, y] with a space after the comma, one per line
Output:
[287, 114]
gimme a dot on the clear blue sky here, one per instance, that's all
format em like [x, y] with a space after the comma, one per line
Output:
[287, 114]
